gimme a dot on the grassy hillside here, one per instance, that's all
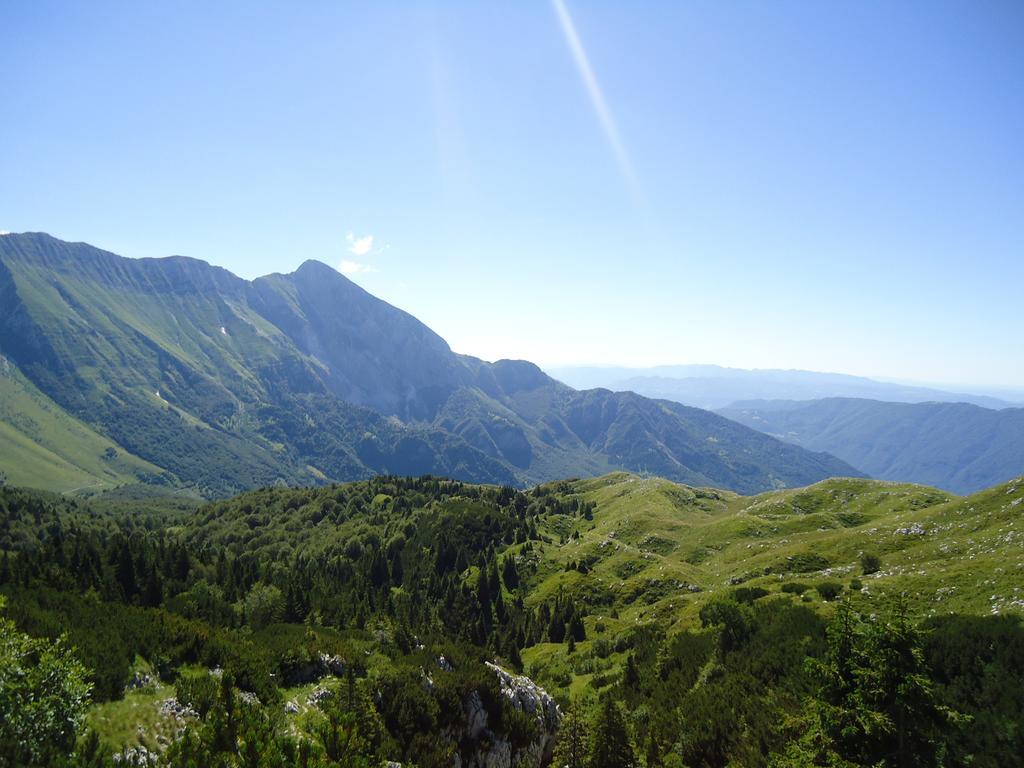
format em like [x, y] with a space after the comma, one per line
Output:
[651, 542]
[42, 446]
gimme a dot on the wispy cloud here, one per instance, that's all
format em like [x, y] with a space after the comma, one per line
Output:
[363, 248]
[359, 246]
[354, 267]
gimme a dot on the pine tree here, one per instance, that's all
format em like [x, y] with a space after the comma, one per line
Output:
[509, 573]
[573, 740]
[125, 571]
[576, 629]
[631, 675]
[876, 701]
[610, 746]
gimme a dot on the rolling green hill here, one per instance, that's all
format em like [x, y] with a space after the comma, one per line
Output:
[651, 540]
[957, 446]
[221, 384]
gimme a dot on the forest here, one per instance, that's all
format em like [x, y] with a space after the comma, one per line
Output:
[357, 624]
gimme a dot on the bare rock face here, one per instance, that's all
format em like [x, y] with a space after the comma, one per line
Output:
[495, 750]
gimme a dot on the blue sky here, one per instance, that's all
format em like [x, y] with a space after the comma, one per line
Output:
[829, 186]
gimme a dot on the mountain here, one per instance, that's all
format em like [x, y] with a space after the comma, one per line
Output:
[172, 371]
[955, 446]
[714, 387]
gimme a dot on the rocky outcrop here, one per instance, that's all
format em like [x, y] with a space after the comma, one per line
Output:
[136, 757]
[495, 750]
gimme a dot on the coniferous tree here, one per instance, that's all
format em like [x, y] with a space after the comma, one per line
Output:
[572, 747]
[610, 746]
[509, 573]
[876, 703]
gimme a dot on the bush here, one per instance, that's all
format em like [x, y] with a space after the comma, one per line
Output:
[856, 585]
[829, 590]
[870, 563]
[794, 588]
[43, 696]
[736, 621]
[197, 690]
[748, 594]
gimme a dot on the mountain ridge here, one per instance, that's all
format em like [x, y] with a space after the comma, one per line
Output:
[714, 387]
[301, 378]
[958, 447]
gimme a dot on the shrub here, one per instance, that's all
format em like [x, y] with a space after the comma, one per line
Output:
[736, 621]
[829, 590]
[197, 690]
[870, 563]
[805, 562]
[43, 696]
[748, 594]
[794, 588]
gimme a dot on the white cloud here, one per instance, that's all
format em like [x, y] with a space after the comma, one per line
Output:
[4, 232]
[359, 246]
[354, 267]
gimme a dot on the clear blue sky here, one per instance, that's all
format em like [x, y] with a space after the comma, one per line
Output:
[822, 185]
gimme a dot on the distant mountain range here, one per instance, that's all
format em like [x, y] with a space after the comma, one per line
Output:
[172, 371]
[955, 446]
[714, 387]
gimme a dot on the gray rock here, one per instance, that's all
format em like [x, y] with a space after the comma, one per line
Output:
[135, 757]
[495, 750]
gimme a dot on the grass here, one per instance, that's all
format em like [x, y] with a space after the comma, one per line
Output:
[135, 720]
[42, 446]
[653, 543]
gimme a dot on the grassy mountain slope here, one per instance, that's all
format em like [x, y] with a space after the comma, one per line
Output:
[304, 378]
[650, 539]
[42, 446]
[956, 446]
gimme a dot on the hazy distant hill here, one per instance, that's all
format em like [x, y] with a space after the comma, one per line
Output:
[712, 386]
[955, 446]
[175, 371]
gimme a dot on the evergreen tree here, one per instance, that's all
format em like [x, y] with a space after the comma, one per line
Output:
[573, 740]
[631, 675]
[576, 629]
[124, 569]
[876, 701]
[509, 573]
[610, 746]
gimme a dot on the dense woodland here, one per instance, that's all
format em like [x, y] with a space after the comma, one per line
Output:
[390, 575]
